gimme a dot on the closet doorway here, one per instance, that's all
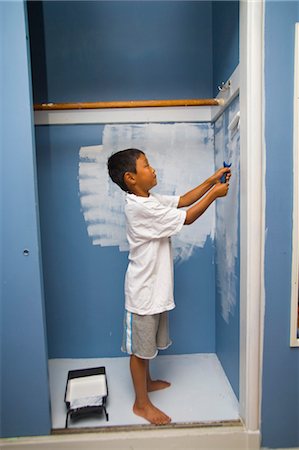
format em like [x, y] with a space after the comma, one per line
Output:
[54, 133]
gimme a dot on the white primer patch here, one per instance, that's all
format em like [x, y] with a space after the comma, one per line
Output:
[183, 156]
[102, 209]
[227, 148]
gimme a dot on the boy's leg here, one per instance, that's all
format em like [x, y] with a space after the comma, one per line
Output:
[154, 385]
[162, 342]
[143, 406]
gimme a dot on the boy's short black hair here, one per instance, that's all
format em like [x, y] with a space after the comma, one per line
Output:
[121, 162]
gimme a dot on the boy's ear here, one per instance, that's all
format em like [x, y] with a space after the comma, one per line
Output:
[129, 178]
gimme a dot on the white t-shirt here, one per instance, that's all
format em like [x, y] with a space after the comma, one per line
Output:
[149, 278]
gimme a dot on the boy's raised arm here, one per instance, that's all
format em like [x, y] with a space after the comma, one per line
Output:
[193, 213]
[195, 194]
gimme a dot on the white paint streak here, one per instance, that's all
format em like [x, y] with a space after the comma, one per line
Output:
[183, 156]
[102, 205]
[227, 148]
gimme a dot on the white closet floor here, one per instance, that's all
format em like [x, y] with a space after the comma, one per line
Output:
[199, 392]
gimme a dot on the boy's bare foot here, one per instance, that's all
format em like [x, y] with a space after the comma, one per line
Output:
[152, 414]
[156, 385]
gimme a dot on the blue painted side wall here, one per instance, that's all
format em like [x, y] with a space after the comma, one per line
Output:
[280, 393]
[84, 283]
[225, 17]
[120, 50]
[227, 286]
[24, 381]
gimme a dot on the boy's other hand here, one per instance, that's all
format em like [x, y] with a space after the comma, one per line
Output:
[221, 189]
[219, 173]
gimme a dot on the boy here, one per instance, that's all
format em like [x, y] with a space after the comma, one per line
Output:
[151, 220]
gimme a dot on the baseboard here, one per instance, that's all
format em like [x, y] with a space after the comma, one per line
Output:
[175, 439]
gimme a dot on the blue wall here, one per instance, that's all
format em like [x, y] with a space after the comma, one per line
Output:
[114, 50]
[24, 383]
[119, 50]
[225, 16]
[108, 51]
[84, 283]
[280, 394]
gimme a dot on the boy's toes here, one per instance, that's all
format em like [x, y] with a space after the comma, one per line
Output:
[152, 415]
[160, 419]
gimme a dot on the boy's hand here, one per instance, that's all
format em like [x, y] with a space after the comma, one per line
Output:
[220, 172]
[220, 189]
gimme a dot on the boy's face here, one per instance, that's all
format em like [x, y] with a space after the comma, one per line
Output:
[145, 177]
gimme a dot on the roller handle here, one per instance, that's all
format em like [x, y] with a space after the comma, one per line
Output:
[223, 178]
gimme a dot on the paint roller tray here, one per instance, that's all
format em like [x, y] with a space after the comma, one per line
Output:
[86, 393]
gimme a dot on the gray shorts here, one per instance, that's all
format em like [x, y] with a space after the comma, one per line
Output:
[145, 335]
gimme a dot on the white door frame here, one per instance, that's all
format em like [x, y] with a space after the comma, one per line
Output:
[252, 209]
